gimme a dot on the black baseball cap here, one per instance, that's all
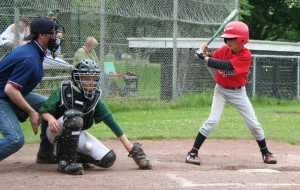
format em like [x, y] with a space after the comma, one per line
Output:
[41, 25]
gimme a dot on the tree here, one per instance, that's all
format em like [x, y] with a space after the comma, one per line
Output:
[274, 20]
[244, 9]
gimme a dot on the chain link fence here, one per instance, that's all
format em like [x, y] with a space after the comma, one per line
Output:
[146, 73]
[275, 76]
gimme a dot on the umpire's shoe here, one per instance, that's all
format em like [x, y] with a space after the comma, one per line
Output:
[46, 158]
[269, 159]
[192, 158]
[71, 168]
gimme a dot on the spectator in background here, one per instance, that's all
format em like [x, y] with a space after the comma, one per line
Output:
[7, 38]
[59, 36]
[87, 51]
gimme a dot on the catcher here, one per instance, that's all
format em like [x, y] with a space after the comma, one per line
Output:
[70, 111]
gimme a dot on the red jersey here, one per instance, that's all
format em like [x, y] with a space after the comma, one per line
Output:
[241, 63]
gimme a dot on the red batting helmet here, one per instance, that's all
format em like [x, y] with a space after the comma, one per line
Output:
[238, 30]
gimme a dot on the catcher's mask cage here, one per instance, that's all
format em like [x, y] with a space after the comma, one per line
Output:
[237, 30]
[87, 67]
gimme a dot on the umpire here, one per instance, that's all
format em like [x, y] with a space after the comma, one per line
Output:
[20, 72]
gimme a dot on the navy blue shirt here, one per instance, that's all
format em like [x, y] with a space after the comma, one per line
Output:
[22, 68]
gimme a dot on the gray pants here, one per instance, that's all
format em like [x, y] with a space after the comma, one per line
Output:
[239, 99]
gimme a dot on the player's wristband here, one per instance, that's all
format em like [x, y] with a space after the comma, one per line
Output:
[200, 54]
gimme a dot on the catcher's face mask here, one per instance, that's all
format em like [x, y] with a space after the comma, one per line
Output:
[86, 75]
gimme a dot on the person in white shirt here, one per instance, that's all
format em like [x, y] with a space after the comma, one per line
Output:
[7, 38]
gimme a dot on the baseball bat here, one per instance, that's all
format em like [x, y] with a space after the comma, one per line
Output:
[229, 18]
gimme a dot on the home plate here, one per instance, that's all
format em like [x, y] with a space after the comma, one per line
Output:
[258, 171]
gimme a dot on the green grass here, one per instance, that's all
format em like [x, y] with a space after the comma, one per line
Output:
[149, 77]
[182, 119]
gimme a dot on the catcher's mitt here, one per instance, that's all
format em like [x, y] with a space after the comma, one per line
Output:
[139, 157]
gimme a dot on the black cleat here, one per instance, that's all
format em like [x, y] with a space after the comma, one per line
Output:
[192, 158]
[88, 166]
[46, 158]
[269, 159]
[72, 169]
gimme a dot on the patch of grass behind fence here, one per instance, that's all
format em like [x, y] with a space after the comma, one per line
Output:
[149, 77]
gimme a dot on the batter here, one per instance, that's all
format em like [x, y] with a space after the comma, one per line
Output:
[232, 62]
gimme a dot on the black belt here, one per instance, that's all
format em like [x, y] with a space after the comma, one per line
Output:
[233, 88]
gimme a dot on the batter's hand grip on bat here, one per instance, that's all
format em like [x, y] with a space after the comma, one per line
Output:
[197, 52]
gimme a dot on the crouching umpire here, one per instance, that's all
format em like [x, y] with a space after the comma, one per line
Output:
[20, 72]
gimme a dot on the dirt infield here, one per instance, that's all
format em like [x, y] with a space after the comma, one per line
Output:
[226, 164]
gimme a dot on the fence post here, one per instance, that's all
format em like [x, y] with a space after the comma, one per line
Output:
[16, 21]
[175, 30]
[254, 76]
[102, 42]
[298, 77]
[236, 5]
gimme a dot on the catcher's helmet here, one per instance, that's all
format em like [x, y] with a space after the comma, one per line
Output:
[238, 30]
[86, 67]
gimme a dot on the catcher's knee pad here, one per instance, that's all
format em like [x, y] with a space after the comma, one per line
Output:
[108, 160]
[67, 143]
[73, 120]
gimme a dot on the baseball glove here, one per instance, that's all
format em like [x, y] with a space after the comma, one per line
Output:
[139, 157]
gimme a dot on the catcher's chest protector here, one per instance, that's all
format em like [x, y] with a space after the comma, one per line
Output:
[72, 99]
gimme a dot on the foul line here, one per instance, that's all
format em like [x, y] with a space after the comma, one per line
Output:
[185, 183]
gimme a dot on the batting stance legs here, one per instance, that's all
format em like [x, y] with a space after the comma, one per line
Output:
[239, 99]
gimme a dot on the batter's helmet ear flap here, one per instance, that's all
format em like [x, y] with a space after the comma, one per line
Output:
[238, 30]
